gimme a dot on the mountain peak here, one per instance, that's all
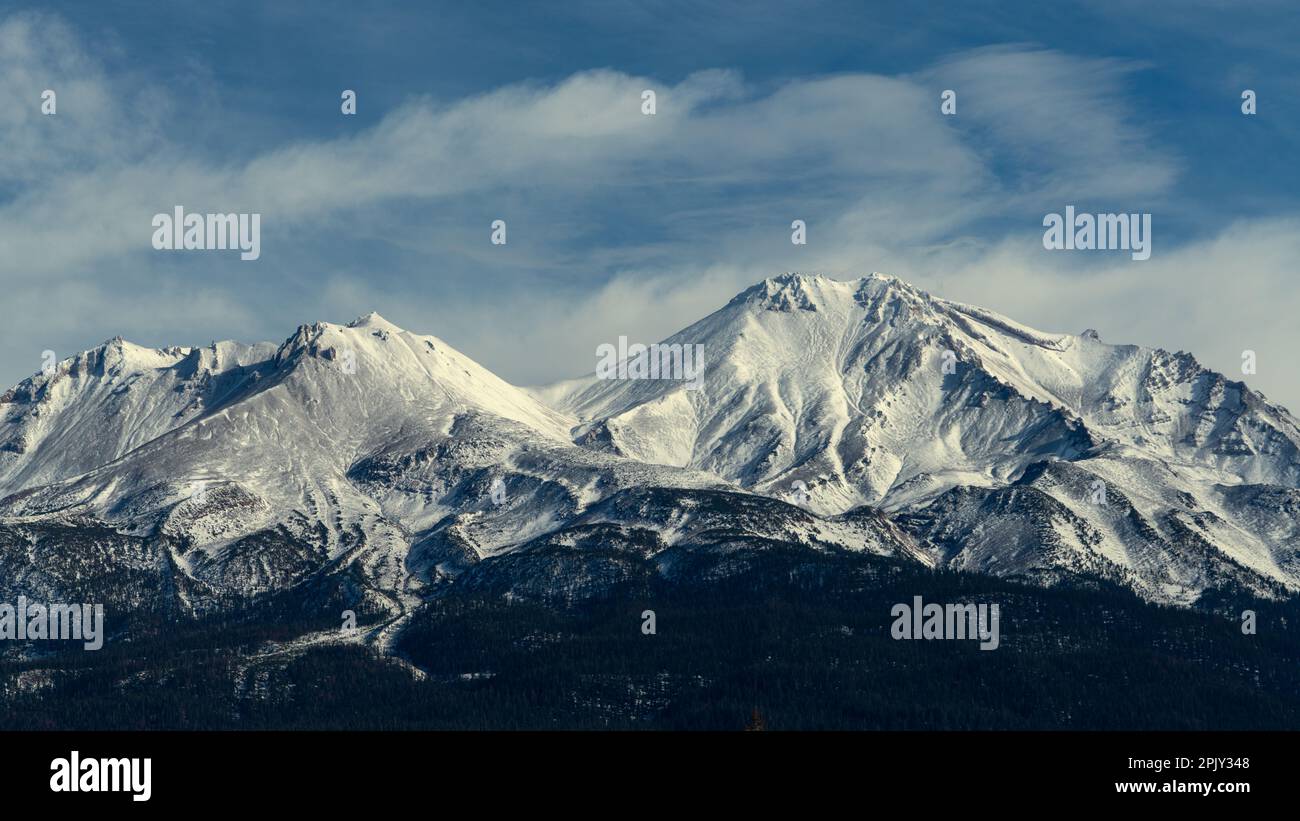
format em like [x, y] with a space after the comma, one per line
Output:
[373, 320]
[805, 291]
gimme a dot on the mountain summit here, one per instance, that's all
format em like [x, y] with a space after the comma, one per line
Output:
[863, 414]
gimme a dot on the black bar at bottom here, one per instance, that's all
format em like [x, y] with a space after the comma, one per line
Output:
[335, 770]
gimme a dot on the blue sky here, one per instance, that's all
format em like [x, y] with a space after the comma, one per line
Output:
[621, 224]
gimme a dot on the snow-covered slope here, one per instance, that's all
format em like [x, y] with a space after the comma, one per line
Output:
[843, 385]
[358, 448]
[871, 391]
[860, 415]
[99, 404]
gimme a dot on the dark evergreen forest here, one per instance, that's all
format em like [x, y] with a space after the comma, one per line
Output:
[786, 639]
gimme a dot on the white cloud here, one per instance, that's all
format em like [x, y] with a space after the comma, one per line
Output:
[711, 182]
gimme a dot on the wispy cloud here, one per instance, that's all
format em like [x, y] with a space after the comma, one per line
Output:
[619, 223]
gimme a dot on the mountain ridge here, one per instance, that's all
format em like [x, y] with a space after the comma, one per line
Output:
[366, 451]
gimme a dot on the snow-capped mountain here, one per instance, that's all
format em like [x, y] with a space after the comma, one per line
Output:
[860, 415]
[104, 402]
[871, 391]
[361, 451]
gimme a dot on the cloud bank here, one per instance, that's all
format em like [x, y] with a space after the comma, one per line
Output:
[619, 223]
